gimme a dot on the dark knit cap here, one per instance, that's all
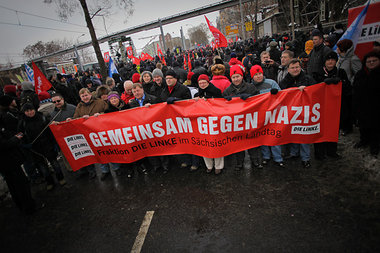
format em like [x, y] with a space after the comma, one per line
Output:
[331, 55]
[27, 106]
[316, 32]
[172, 73]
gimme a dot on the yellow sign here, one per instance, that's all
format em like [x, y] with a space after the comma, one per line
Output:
[232, 29]
[248, 26]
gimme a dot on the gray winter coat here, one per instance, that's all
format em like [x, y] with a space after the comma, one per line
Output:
[350, 63]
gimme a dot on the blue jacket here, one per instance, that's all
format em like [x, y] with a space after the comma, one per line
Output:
[266, 85]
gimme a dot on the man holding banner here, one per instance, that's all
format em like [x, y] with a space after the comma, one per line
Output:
[297, 78]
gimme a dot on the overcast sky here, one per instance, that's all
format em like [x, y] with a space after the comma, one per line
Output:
[14, 38]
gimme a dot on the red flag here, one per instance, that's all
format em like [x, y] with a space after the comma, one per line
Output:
[129, 51]
[184, 62]
[220, 39]
[189, 62]
[63, 70]
[40, 81]
[237, 38]
[106, 57]
[159, 52]
[135, 60]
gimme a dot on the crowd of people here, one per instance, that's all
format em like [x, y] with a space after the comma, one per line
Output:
[243, 69]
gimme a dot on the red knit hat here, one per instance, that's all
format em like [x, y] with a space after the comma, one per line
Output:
[256, 69]
[136, 78]
[9, 89]
[203, 77]
[43, 95]
[190, 75]
[236, 69]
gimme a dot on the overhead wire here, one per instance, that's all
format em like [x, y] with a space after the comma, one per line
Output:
[35, 15]
[40, 27]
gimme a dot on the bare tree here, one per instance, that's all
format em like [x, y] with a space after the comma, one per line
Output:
[66, 8]
[199, 34]
[44, 48]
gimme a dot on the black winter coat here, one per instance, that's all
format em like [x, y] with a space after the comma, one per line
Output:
[317, 62]
[147, 87]
[209, 92]
[31, 127]
[179, 91]
[182, 74]
[156, 89]
[366, 94]
[301, 80]
[243, 88]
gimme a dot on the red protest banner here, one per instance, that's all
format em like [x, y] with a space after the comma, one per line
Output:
[211, 128]
[41, 83]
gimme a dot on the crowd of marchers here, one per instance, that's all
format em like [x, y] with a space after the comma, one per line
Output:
[243, 69]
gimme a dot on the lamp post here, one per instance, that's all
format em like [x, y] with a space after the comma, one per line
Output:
[77, 54]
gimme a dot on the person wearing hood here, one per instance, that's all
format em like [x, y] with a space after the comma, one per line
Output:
[12, 157]
[208, 90]
[32, 123]
[348, 59]
[146, 80]
[366, 93]
[264, 85]
[159, 83]
[28, 95]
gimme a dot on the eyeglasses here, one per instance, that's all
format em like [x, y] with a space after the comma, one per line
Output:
[373, 61]
[56, 101]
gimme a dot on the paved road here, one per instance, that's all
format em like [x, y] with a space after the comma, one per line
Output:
[269, 210]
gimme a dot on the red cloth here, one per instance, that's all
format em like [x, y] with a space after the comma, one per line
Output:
[170, 88]
[220, 82]
[126, 97]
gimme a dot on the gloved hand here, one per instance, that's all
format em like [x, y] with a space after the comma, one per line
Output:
[273, 91]
[228, 98]
[332, 80]
[171, 100]
[244, 96]
[27, 145]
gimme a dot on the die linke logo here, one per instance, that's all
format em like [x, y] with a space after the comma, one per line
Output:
[370, 32]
